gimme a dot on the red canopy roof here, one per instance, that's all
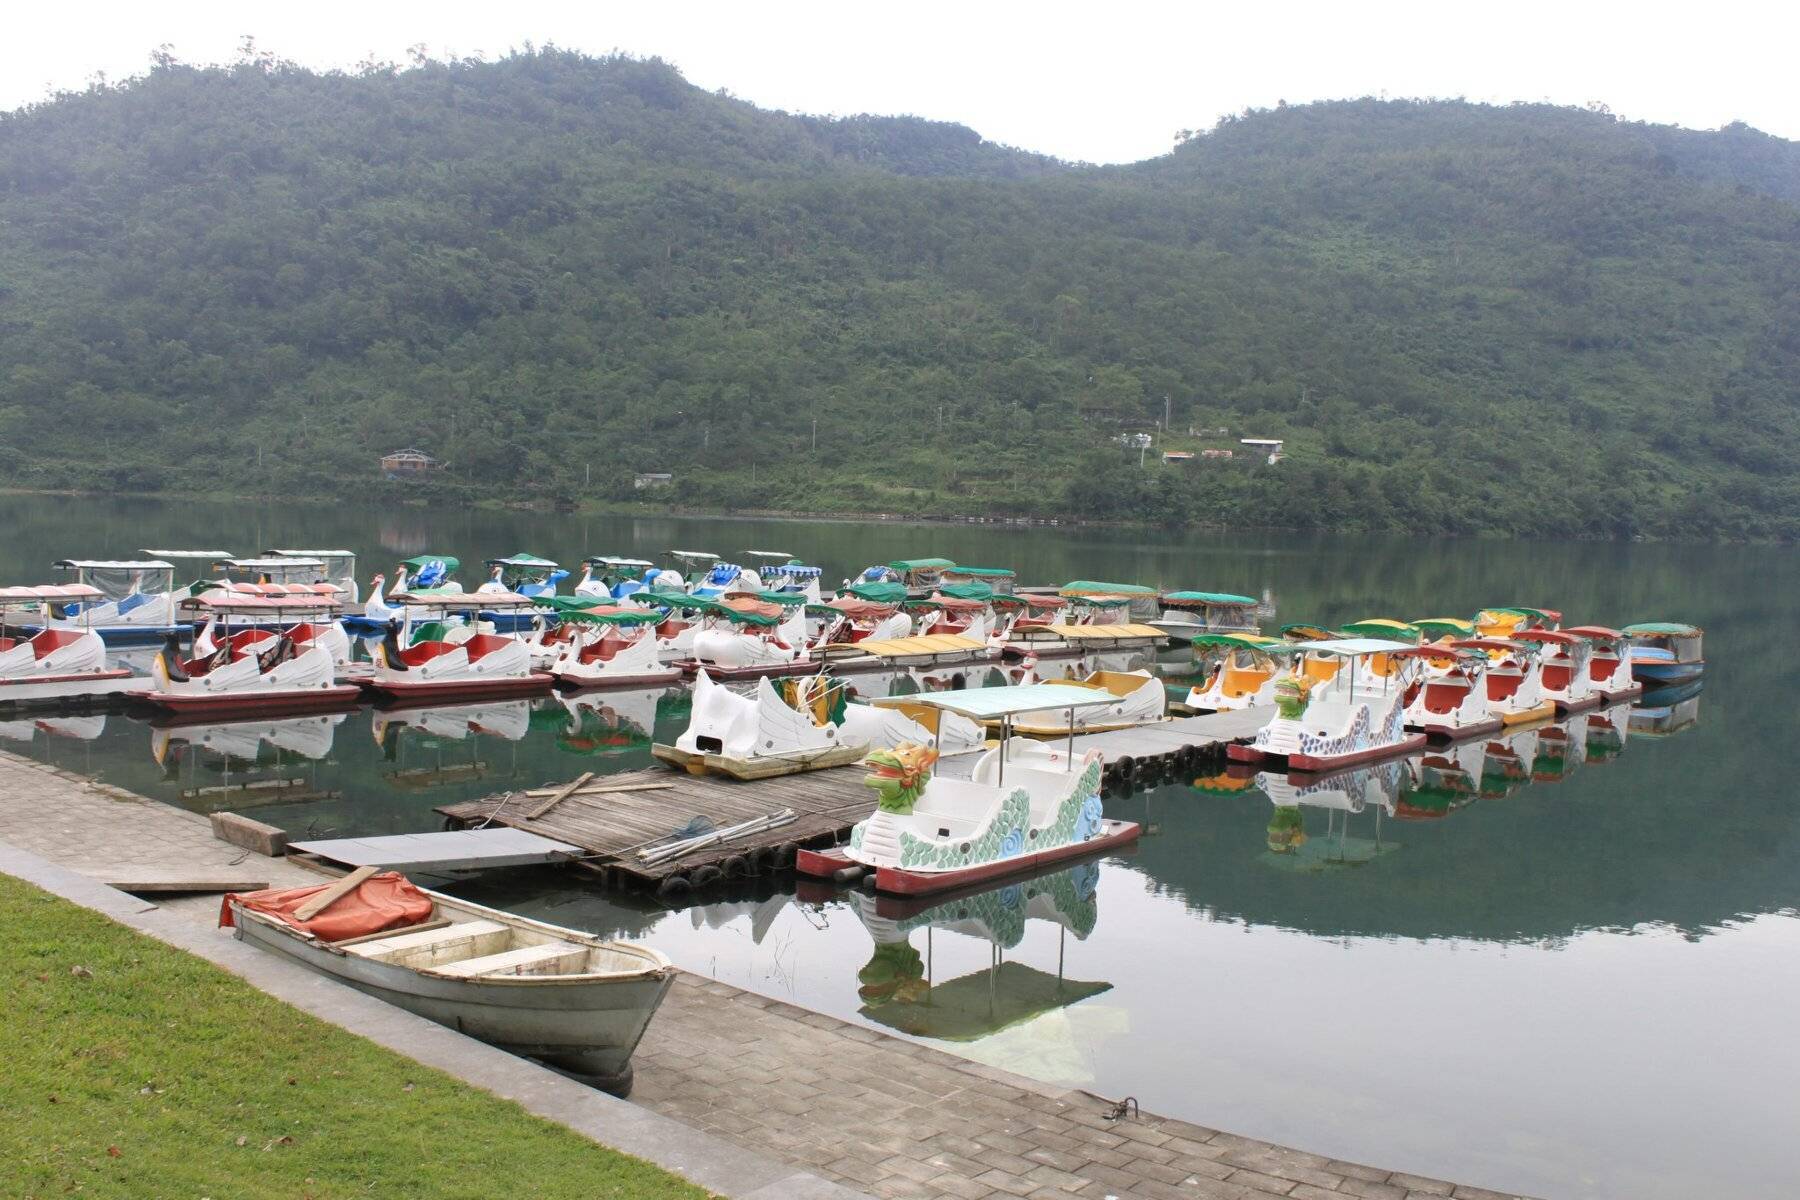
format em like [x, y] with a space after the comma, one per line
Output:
[852, 606]
[1559, 636]
[279, 589]
[1485, 644]
[1596, 631]
[52, 591]
[956, 603]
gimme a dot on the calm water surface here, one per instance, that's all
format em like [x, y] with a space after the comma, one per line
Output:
[1562, 964]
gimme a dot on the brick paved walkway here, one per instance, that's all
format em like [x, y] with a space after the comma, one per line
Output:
[869, 1110]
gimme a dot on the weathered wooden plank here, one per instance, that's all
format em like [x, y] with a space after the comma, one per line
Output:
[332, 894]
[191, 883]
[561, 794]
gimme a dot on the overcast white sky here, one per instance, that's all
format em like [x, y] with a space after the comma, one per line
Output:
[1098, 81]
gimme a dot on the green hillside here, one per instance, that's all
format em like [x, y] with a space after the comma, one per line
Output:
[554, 271]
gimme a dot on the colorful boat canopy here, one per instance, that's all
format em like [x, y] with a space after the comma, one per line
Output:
[1499, 644]
[780, 599]
[1440, 626]
[1377, 627]
[1661, 629]
[1451, 650]
[989, 702]
[1100, 601]
[1249, 641]
[419, 562]
[237, 587]
[967, 591]
[1540, 614]
[1556, 636]
[220, 601]
[746, 610]
[1598, 633]
[1089, 587]
[903, 565]
[944, 600]
[1307, 633]
[566, 604]
[1030, 600]
[439, 598]
[50, 591]
[881, 593]
[613, 616]
[1197, 599]
[854, 606]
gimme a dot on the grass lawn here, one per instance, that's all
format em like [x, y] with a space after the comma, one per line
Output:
[132, 1069]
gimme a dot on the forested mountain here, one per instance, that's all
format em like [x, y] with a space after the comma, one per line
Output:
[553, 271]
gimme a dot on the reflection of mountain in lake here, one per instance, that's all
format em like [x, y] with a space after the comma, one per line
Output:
[1536, 832]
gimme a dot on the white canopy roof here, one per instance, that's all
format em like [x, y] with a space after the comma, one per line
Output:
[108, 564]
[207, 554]
[988, 702]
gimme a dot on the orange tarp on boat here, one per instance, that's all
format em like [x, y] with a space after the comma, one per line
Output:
[385, 901]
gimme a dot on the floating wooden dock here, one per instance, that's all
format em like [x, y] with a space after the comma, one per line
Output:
[610, 823]
[438, 853]
[1169, 745]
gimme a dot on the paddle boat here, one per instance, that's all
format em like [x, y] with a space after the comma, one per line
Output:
[523, 575]
[255, 669]
[1560, 751]
[1450, 698]
[1504, 622]
[438, 668]
[846, 620]
[726, 578]
[752, 634]
[1664, 653]
[572, 999]
[692, 565]
[612, 647]
[805, 723]
[219, 625]
[777, 571]
[1506, 761]
[1023, 806]
[1244, 670]
[606, 576]
[1607, 668]
[1351, 714]
[1445, 778]
[1563, 668]
[1348, 789]
[941, 614]
[1137, 698]
[1000, 580]
[1606, 732]
[1515, 682]
[919, 576]
[1186, 615]
[54, 664]
[136, 600]
[1020, 614]
[1140, 603]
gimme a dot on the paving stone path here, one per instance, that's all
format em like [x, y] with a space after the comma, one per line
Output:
[861, 1107]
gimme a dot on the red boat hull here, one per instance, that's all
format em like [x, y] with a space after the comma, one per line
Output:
[253, 703]
[821, 864]
[1457, 733]
[535, 683]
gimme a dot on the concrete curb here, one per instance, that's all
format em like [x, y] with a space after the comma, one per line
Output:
[708, 1161]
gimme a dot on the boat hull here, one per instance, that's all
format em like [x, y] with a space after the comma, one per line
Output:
[56, 689]
[271, 700]
[896, 881]
[1440, 732]
[587, 1027]
[441, 690]
[1653, 674]
[571, 681]
[1325, 762]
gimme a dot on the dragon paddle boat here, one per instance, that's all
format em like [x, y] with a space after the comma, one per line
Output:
[1450, 700]
[611, 647]
[1515, 687]
[1244, 669]
[1187, 615]
[278, 661]
[1563, 668]
[1607, 666]
[44, 662]
[437, 669]
[804, 724]
[1020, 809]
[135, 601]
[1355, 714]
[1664, 653]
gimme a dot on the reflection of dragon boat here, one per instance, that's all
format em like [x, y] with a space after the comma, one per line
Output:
[1341, 794]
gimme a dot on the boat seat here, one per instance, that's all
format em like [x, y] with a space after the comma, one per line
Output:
[484, 644]
[52, 640]
[547, 958]
[450, 937]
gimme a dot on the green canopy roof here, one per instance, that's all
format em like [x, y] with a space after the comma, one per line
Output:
[626, 616]
[1180, 598]
[1305, 630]
[1240, 641]
[968, 591]
[1103, 601]
[903, 565]
[1090, 587]
[568, 604]
[785, 599]
[880, 593]
[417, 562]
[523, 559]
[1380, 627]
[1662, 629]
[1443, 625]
[987, 572]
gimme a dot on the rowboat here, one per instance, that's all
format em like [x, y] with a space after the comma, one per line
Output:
[544, 991]
[438, 669]
[1665, 653]
[1024, 805]
[54, 664]
[1346, 704]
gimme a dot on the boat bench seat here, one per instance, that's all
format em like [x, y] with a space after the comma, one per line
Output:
[543, 959]
[449, 935]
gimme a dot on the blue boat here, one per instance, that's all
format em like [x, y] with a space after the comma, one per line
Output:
[1665, 653]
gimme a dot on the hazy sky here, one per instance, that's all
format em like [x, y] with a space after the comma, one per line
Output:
[1103, 82]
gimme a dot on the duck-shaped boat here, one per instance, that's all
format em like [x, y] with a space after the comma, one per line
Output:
[437, 669]
[43, 662]
[278, 662]
[611, 647]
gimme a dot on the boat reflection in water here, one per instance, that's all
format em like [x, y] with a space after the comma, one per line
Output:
[1668, 710]
[899, 989]
[81, 728]
[252, 741]
[607, 724]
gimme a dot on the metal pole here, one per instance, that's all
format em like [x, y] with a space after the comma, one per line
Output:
[1071, 763]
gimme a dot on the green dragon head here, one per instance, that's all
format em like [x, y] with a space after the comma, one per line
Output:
[899, 775]
[1292, 694]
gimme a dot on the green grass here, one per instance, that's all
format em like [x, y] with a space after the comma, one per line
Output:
[136, 1070]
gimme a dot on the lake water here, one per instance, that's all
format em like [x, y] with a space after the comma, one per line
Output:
[1563, 964]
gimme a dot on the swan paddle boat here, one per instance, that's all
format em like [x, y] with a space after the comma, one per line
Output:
[1349, 708]
[508, 720]
[1245, 667]
[1665, 652]
[136, 601]
[539, 990]
[1021, 614]
[1186, 615]
[220, 624]
[277, 661]
[805, 723]
[614, 576]
[521, 575]
[847, 620]
[969, 615]
[42, 661]
[612, 647]
[1450, 699]
[1563, 668]
[752, 635]
[437, 668]
[1515, 686]
[1608, 668]
[1022, 807]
